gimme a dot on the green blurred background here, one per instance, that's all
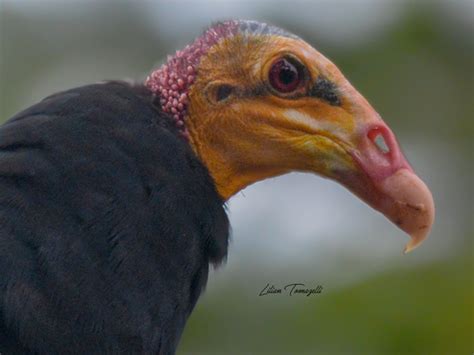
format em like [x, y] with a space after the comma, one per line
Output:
[413, 60]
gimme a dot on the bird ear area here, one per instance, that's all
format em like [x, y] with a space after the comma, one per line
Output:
[217, 92]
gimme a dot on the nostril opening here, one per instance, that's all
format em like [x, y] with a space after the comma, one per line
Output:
[381, 144]
[376, 135]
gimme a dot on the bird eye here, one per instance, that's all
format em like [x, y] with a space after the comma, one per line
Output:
[285, 75]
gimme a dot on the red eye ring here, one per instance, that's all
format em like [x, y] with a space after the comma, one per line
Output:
[285, 75]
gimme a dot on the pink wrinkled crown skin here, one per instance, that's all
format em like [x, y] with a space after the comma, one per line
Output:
[171, 82]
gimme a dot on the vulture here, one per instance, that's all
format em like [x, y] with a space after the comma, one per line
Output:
[112, 195]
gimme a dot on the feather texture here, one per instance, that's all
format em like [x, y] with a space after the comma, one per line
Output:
[108, 222]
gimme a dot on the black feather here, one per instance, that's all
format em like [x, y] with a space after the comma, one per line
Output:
[108, 222]
[325, 90]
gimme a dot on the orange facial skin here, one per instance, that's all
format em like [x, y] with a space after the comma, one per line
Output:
[252, 132]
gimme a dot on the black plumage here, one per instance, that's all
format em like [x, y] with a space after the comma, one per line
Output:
[108, 223]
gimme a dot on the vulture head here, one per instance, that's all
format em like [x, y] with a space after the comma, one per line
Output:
[255, 101]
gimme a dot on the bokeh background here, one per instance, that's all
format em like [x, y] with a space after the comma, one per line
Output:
[413, 60]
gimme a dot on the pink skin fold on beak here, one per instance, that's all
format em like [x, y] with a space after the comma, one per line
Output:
[387, 182]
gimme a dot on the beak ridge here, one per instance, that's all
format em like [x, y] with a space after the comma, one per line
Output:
[387, 182]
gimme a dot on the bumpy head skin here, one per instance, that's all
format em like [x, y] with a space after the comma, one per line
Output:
[247, 124]
[172, 81]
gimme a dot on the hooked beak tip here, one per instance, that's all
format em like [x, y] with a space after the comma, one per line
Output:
[413, 209]
[411, 245]
[392, 187]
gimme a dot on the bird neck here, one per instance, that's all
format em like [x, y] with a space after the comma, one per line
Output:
[227, 169]
[231, 157]
[173, 84]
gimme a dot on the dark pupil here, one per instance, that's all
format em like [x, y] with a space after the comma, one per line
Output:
[284, 76]
[288, 73]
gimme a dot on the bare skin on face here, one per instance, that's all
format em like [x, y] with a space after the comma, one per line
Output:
[264, 104]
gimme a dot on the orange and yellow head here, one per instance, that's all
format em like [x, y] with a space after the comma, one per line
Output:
[256, 102]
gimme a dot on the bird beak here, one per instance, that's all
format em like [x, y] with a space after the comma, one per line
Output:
[384, 179]
[372, 164]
